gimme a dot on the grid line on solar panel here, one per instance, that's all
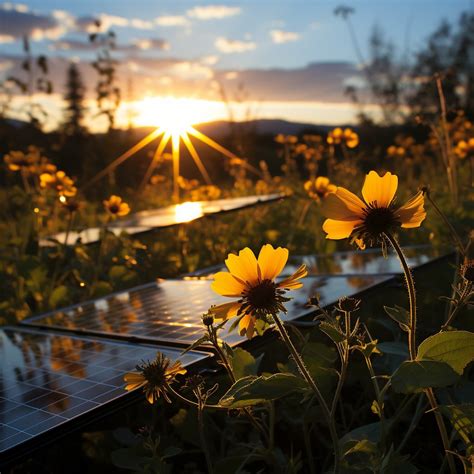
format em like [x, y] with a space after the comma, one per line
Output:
[170, 311]
[49, 379]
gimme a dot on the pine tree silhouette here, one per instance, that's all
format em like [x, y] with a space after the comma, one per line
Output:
[74, 97]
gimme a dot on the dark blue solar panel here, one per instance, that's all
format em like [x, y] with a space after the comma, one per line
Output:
[170, 311]
[48, 379]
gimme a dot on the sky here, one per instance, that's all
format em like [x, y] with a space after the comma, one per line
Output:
[288, 59]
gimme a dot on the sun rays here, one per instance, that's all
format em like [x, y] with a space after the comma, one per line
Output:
[174, 127]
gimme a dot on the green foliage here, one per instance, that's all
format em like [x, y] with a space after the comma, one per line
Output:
[253, 390]
[456, 348]
[417, 375]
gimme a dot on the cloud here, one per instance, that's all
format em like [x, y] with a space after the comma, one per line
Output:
[104, 22]
[18, 21]
[280, 36]
[172, 20]
[141, 24]
[213, 12]
[210, 60]
[143, 44]
[226, 45]
[151, 43]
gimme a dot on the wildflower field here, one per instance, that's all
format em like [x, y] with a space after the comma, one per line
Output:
[379, 381]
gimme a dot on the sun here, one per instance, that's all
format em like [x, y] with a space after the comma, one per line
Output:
[174, 120]
[175, 115]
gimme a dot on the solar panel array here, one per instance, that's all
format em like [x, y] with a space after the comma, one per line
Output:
[168, 216]
[367, 262]
[49, 379]
[170, 311]
[58, 367]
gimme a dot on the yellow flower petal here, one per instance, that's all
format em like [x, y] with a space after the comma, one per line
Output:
[243, 266]
[226, 285]
[226, 310]
[339, 229]
[292, 283]
[133, 377]
[272, 261]
[342, 205]
[412, 213]
[247, 326]
[380, 189]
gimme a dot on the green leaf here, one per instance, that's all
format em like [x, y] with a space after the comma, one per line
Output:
[59, 296]
[399, 315]
[415, 375]
[371, 432]
[332, 332]
[456, 348]
[196, 343]
[244, 363]
[101, 288]
[462, 419]
[253, 390]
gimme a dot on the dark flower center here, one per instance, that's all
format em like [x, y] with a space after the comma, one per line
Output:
[114, 208]
[379, 220]
[263, 296]
[155, 374]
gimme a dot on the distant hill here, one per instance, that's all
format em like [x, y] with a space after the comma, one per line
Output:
[221, 128]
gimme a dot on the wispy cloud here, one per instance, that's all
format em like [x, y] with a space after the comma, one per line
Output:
[151, 43]
[212, 12]
[18, 21]
[226, 45]
[104, 22]
[281, 36]
[143, 44]
[172, 20]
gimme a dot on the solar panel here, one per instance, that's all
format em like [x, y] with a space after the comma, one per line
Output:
[367, 262]
[146, 221]
[170, 311]
[49, 379]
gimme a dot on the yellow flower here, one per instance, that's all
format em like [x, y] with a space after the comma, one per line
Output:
[286, 139]
[465, 148]
[319, 188]
[155, 377]
[59, 182]
[367, 220]
[252, 281]
[17, 160]
[396, 151]
[346, 136]
[116, 207]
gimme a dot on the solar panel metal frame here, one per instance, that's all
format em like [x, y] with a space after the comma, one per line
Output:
[93, 413]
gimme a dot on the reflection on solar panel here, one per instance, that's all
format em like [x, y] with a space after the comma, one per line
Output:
[47, 380]
[170, 311]
[368, 262]
[146, 221]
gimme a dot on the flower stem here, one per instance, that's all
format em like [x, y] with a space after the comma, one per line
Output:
[411, 294]
[202, 436]
[454, 235]
[248, 412]
[463, 299]
[307, 376]
[412, 347]
[442, 428]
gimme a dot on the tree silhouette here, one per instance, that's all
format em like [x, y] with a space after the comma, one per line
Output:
[74, 97]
